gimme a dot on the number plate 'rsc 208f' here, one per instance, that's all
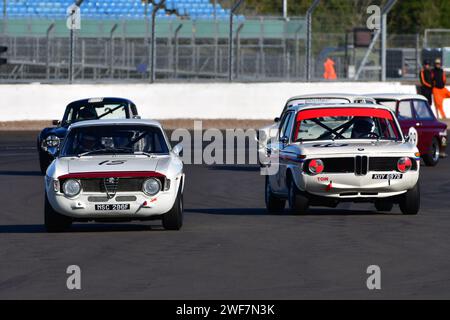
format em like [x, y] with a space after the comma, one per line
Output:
[112, 207]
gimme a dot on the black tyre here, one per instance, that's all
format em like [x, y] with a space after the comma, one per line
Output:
[55, 222]
[432, 157]
[298, 202]
[384, 205]
[173, 220]
[44, 162]
[273, 203]
[410, 201]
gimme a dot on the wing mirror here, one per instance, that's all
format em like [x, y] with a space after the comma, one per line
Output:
[56, 122]
[277, 119]
[178, 150]
[284, 140]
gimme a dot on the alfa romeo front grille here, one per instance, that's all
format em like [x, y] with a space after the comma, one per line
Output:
[124, 185]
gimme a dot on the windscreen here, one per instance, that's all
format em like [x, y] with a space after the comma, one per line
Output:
[116, 139]
[318, 101]
[391, 104]
[94, 111]
[345, 123]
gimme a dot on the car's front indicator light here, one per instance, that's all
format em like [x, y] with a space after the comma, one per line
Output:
[316, 166]
[404, 164]
[56, 186]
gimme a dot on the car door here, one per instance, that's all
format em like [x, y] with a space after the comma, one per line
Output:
[274, 151]
[425, 117]
[405, 115]
[285, 140]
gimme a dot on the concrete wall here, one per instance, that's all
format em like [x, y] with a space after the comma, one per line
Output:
[170, 101]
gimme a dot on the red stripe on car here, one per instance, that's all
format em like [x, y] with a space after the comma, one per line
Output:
[343, 112]
[112, 174]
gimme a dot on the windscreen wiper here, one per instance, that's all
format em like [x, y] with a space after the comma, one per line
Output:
[105, 150]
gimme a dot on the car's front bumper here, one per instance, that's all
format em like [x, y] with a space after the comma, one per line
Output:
[84, 205]
[349, 185]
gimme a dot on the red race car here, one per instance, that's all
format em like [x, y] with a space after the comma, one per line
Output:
[413, 111]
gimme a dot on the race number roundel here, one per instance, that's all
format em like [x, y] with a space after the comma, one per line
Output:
[413, 136]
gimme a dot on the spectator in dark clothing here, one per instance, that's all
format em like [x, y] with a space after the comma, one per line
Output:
[440, 92]
[426, 81]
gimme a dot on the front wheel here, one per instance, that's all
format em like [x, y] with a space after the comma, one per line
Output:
[410, 201]
[173, 220]
[55, 222]
[273, 203]
[44, 162]
[432, 157]
[298, 202]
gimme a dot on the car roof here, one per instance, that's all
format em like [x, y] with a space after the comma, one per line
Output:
[349, 96]
[347, 105]
[102, 100]
[105, 122]
[398, 96]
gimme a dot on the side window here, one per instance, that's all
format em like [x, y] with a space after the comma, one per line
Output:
[422, 110]
[285, 125]
[289, 127]
[404, 110]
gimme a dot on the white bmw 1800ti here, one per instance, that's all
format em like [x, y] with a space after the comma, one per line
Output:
[333, 153]
[115, 170]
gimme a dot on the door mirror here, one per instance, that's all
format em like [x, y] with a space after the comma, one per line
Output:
[56, 122]
[284, 140]
[277, 119]
[178, 150]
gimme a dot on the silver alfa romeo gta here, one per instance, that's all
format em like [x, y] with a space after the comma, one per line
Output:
[115, 170]
[327, 154]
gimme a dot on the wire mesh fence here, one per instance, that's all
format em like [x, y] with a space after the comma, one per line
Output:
[265, 48]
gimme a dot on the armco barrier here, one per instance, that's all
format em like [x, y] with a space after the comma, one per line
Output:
[177, 101]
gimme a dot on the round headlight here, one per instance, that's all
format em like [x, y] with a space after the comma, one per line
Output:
[404, 164]
[316, 166]
[71, 187]
[151, 186]
[52, 141]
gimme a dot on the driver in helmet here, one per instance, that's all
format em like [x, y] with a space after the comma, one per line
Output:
[363, 127]
[87, 143]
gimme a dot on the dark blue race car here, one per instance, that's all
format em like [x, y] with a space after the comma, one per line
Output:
[50, 139]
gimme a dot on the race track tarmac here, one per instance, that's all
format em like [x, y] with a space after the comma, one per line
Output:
[229, 247]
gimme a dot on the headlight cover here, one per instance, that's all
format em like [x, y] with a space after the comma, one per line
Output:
[51, 141]
[71, 187]
[151, 186]
[404, 164]
[316, 166]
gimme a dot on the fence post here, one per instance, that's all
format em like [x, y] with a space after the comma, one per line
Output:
[418, 62]
[4, 13]
[309, 38]
[384, 13]
[152, 61]
[238, 48]
[175, 49]
[47, 62]
[297, 51]
[230, 41]
[111, 50]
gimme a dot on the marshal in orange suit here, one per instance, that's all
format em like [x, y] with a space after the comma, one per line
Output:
[440, 92]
